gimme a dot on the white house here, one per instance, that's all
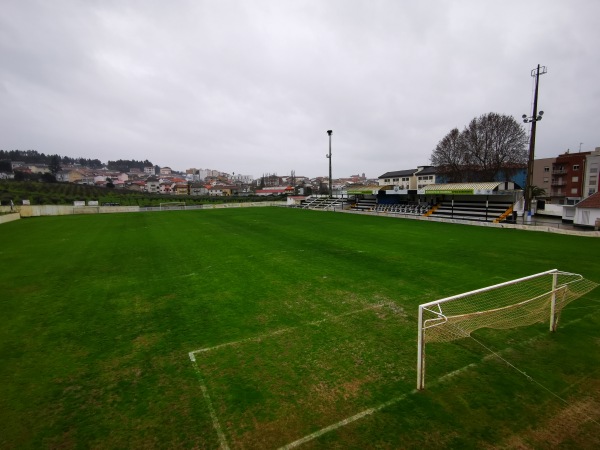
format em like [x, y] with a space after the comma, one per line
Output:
[409, 179]
[587, 211]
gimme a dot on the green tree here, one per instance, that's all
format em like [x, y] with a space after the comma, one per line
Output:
[537, 191]
[54, 165]
[5, 166]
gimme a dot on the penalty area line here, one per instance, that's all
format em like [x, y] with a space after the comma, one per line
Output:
[395, 400]
[284, 330]
[213, 415]
[344, 422]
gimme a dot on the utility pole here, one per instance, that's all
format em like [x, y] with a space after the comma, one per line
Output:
[329, 157]
[535, 117]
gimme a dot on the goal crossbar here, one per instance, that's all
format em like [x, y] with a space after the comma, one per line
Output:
[522, 301]
[164, 206]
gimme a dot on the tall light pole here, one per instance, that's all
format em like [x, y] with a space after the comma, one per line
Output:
[329, 157]
[533, 119]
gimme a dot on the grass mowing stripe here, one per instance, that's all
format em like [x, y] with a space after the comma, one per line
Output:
[213, 415]
[276, 332]
[344, 422]
[442, 379]
[97, 311]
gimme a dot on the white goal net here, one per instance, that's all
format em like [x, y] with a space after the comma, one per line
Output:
[168, 206]
[525, 301]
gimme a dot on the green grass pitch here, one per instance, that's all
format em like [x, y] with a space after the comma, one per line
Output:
[302, 332]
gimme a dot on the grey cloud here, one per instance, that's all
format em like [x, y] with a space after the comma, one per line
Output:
[251, 87]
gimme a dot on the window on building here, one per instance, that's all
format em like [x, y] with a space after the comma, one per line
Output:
[593, 170]
[546, 179]
[575, 166]
[575, 179]
[395, 179]
[591, 191]
[404, 179]
[574, 190]
[593, 181]
[547, 169]
[386, 180]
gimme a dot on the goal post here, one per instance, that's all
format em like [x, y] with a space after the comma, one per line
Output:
[171, 206]
[524, 301]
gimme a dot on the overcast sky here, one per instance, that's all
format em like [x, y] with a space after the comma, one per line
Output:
[252, 86]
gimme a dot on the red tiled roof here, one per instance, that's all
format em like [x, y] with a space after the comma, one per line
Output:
[593, 201]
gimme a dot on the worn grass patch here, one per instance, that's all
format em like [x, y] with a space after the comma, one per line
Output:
[98, 315]
[277, 388]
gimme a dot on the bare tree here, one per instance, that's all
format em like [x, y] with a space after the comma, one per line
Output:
[490, 145]
[449, 156]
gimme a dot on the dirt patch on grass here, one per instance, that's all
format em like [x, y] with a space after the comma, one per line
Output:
[575, 426]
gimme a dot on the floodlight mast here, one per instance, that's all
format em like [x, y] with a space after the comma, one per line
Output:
[535, 117]
[329, 157]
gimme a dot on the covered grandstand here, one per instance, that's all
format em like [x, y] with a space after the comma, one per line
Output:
[493, 201]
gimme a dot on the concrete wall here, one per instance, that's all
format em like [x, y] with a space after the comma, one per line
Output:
[65, 210]
[4, 218]
[551, 209]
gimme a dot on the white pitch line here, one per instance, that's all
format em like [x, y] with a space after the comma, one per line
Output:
[344, 422]
[369, 411]
[215, 420]
[213, 415]
[281, 331]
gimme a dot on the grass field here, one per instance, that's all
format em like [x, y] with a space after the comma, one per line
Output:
[273, 327]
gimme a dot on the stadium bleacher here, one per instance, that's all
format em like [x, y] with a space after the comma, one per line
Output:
[316, 202]
[462, 209]
[477, 210]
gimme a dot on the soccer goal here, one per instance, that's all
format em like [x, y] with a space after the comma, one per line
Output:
[171, 206]
[524, 301]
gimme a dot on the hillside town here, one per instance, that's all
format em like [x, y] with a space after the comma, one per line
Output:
[195, 182]
[562, 180]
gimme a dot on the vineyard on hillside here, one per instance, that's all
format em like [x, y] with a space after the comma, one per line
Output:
[66, 193]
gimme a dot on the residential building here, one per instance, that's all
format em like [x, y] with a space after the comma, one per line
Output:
[400, 178]
[426, 175]
[244, 179]
[165, 187]
[165, 171]
[567, 178]
[409, 179]
[542, 174]
[152, 185]
[149, 170]
[275, 190]
[591, 179]
[198, 189]
[71, 176]
[181, 189]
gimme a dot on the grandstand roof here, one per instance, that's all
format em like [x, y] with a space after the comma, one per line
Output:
[421, 170]
[465, 188]
[398, 173]
[369, 190]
